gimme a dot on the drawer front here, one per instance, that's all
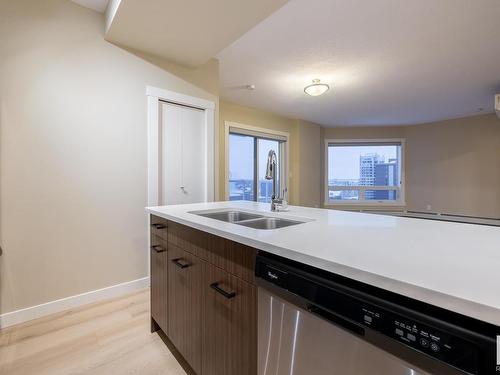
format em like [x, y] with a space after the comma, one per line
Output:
[159, 227]
[233, 257]
[188, 239]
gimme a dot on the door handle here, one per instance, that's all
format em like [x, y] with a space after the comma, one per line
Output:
[178, 263]
[217, 288]
[159, 226]
[158, 248]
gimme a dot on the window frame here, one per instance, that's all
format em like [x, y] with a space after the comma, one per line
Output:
[367, 203]
[248, 130]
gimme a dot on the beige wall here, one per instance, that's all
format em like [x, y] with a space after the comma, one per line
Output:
[72, 153]
[205, 76]
[453, 166]
[309, 164]
[303, 158]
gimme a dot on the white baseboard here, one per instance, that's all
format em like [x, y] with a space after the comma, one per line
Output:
[34, 312]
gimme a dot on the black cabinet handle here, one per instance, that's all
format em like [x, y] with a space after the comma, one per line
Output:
[228, 295]
[178, 263]
[158, 248]
[159, 226]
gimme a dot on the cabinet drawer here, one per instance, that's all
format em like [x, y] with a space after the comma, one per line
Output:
[229, 324]
[188, 239]
[159, 227]
[233, 257]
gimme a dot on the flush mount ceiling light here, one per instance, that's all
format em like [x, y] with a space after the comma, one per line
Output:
[316, 88]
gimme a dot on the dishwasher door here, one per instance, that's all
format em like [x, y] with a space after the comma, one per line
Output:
[293, 341]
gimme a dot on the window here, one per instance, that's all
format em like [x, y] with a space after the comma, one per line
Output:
[364, 172]
[248, 149]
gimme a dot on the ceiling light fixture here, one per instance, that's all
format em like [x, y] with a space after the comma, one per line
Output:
[316, 88]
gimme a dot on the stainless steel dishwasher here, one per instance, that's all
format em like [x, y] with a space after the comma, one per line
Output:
[312, 322]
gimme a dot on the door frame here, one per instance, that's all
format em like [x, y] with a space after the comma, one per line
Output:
[154, 98]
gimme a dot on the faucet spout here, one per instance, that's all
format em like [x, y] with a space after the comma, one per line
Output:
[271, 174]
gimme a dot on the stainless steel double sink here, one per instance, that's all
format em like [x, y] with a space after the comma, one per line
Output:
[248, 219]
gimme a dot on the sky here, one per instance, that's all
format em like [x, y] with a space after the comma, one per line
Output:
[241, 156]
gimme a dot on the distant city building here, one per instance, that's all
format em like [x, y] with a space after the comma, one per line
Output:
[373, 171]
[244, 190]
[344, 194]
[367, 164]
[241, 190]
[386, 174]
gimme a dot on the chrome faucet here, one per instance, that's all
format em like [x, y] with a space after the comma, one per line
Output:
[271, 174]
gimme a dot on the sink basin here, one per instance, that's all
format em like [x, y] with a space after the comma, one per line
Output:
[269, 223]
[230, 216]
[248, 219]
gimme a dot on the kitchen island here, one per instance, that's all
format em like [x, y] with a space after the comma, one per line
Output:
[452, 266]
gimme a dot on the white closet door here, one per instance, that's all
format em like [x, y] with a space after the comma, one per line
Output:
[194, 155]
[182, 155]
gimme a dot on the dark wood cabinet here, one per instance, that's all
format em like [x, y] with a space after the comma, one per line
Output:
[184, 304]
[159, 227]
[188, 239]
[159, 272]
[235, 258]
[229, 329]
[203, 297]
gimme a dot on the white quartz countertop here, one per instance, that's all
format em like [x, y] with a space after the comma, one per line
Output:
[451, 265]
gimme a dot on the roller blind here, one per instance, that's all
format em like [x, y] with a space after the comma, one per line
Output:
[354, 143]
[253, 133]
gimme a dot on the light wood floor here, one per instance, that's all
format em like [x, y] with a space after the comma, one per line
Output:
[108, 338]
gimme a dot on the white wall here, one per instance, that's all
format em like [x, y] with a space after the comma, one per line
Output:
[72, 153]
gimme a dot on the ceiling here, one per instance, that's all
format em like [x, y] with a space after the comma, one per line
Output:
[97, 5]
[388, 62]
[189, 32]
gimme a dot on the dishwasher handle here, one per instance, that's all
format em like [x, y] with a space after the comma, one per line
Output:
[335, 319]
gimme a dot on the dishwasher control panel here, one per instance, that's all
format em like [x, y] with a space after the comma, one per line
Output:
[356, 310]
[424, 338]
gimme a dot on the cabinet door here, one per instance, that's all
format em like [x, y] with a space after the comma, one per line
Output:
[159, 282]
[183, 155]
[229, 312]
[184, 310]
[194, 155]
